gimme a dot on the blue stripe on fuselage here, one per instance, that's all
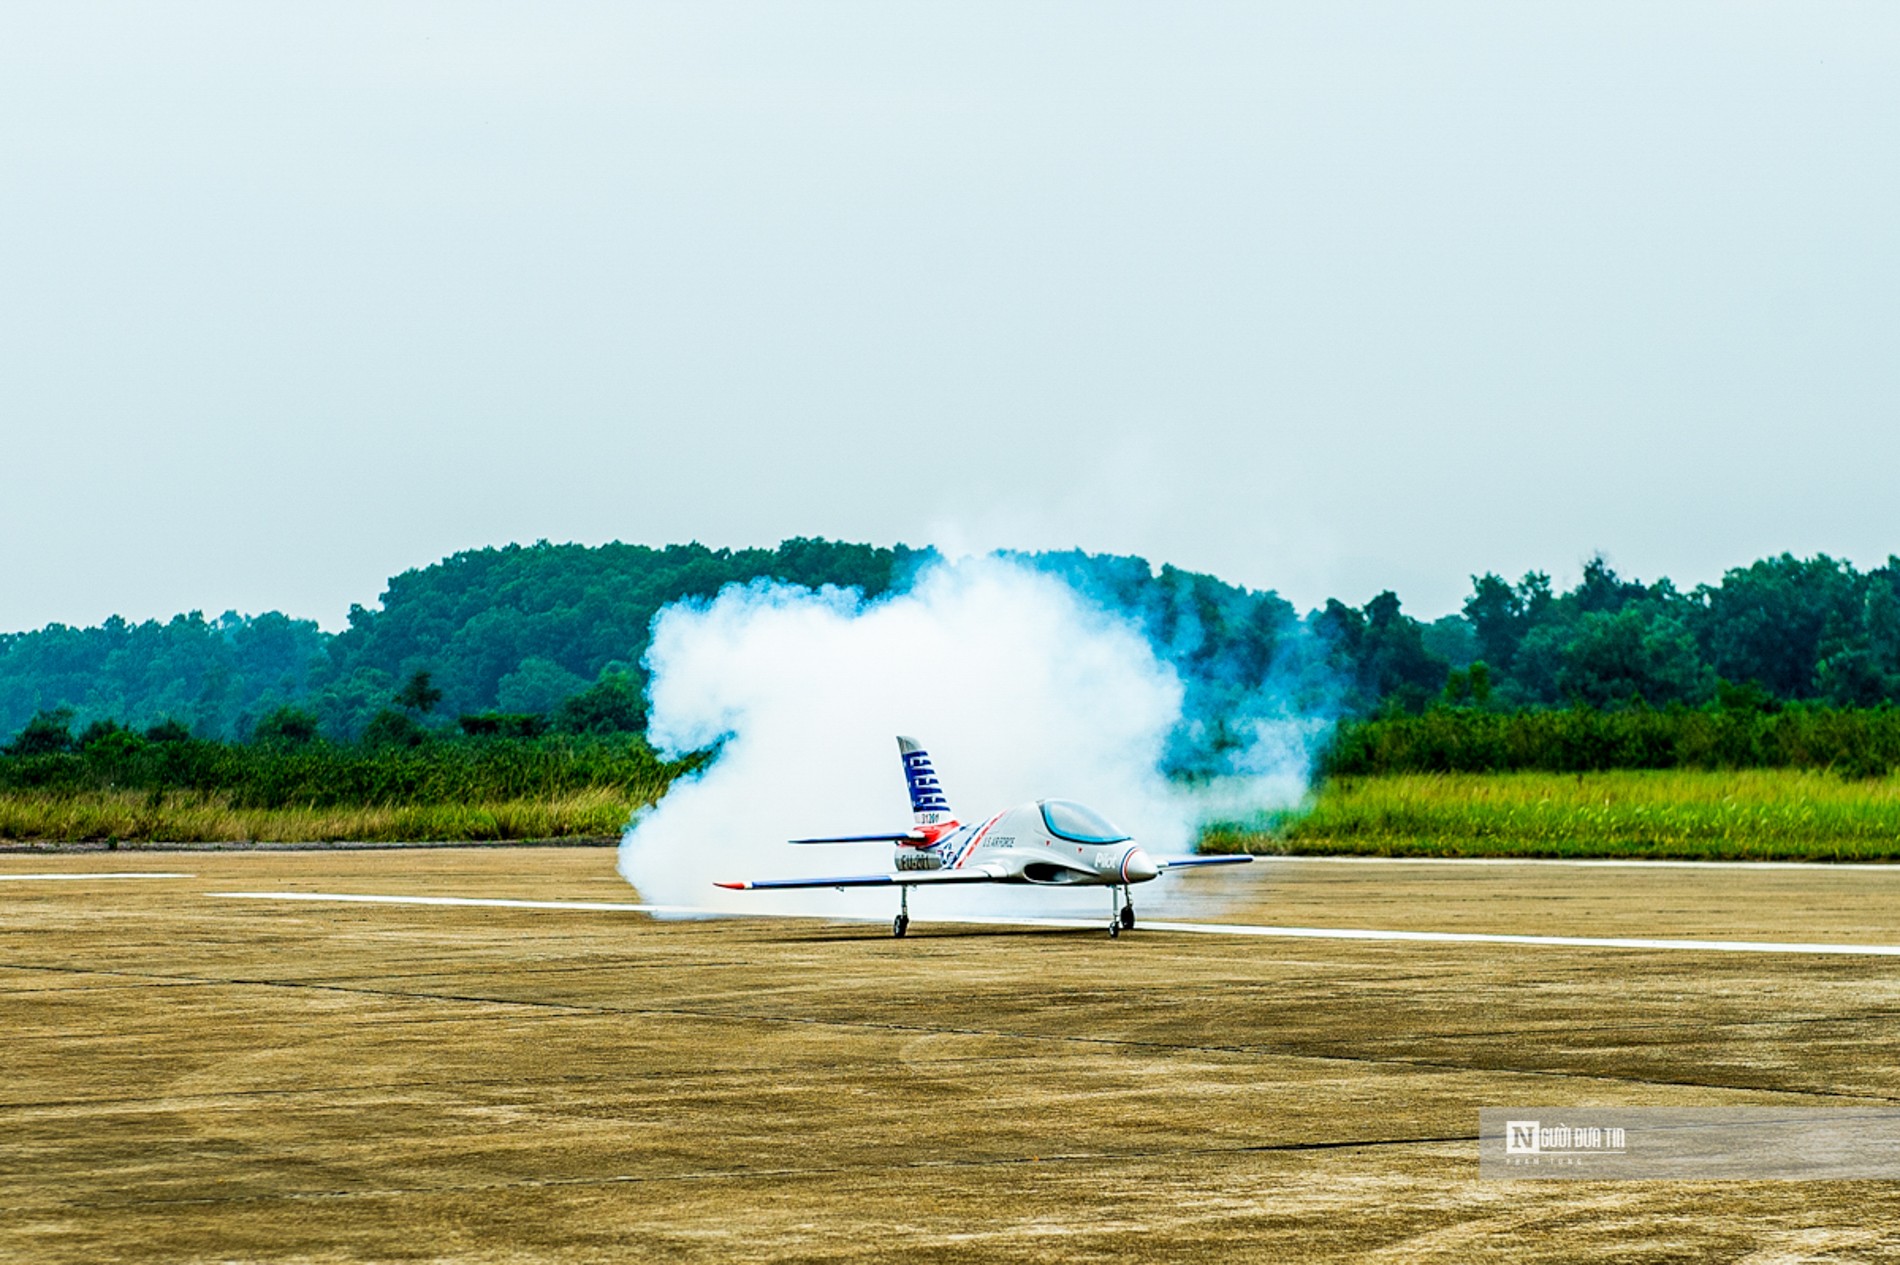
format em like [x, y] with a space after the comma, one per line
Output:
[976, 837]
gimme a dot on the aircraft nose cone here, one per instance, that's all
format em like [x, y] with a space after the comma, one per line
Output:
[1136, 867]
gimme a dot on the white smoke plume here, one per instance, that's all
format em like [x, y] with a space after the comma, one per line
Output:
[1018, 688]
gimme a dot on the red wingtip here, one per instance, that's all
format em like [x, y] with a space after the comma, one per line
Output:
[737, 887]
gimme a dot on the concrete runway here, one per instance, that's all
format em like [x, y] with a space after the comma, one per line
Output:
[213, 1078]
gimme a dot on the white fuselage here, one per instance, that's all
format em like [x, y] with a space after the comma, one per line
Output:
[1028, 844]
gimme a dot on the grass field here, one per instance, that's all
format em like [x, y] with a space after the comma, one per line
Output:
[189, 815]
[126, 788]
[1749, 814]
[192, 817]
[201, 1079]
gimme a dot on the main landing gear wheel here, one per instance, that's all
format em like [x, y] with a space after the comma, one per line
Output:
[900, 925]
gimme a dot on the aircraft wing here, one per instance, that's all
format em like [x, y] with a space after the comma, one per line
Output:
[901, 878]
[1182, 863]
[909, 836]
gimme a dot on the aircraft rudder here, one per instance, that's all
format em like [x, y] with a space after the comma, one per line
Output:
[928, 804]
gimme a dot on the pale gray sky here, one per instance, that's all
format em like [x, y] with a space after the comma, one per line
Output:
[1327, 297]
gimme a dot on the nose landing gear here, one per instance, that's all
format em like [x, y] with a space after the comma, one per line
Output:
[1123, 906]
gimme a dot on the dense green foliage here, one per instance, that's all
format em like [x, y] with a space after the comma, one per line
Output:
[317, 773]
[522, 639]
[216, 677]
[546, 638]
[1797, 629]
[500, 694]
[521, 629]
[1858, 742]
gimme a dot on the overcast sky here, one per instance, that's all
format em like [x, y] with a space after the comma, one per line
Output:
[1327, 298]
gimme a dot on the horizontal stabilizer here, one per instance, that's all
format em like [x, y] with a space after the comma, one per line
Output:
[908, 836]
[903, 878]
[1182, 863]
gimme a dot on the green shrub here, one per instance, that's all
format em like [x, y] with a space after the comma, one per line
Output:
[48, 733]
[444, 770]
[1856, 742]
[504, 725]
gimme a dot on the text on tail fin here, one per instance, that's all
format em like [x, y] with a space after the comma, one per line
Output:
[926, 793]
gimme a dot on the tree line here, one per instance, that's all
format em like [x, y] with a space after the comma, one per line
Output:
[527, 641]
[1737, 733]
[276, 773]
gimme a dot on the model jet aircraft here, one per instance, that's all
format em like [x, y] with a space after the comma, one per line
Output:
[1048, 843]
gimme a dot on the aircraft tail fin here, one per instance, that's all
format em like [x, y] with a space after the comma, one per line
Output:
[928, 805]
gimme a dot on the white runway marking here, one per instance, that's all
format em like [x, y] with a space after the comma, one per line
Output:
[57, 878]
[484, 902]
[1192, 928]
[1812, 867]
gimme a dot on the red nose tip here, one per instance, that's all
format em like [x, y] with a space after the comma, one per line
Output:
[1137, 868]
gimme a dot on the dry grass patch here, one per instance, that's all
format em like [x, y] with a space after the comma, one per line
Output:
[181, 817]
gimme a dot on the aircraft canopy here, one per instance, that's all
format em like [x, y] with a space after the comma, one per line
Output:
[1079, 823]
